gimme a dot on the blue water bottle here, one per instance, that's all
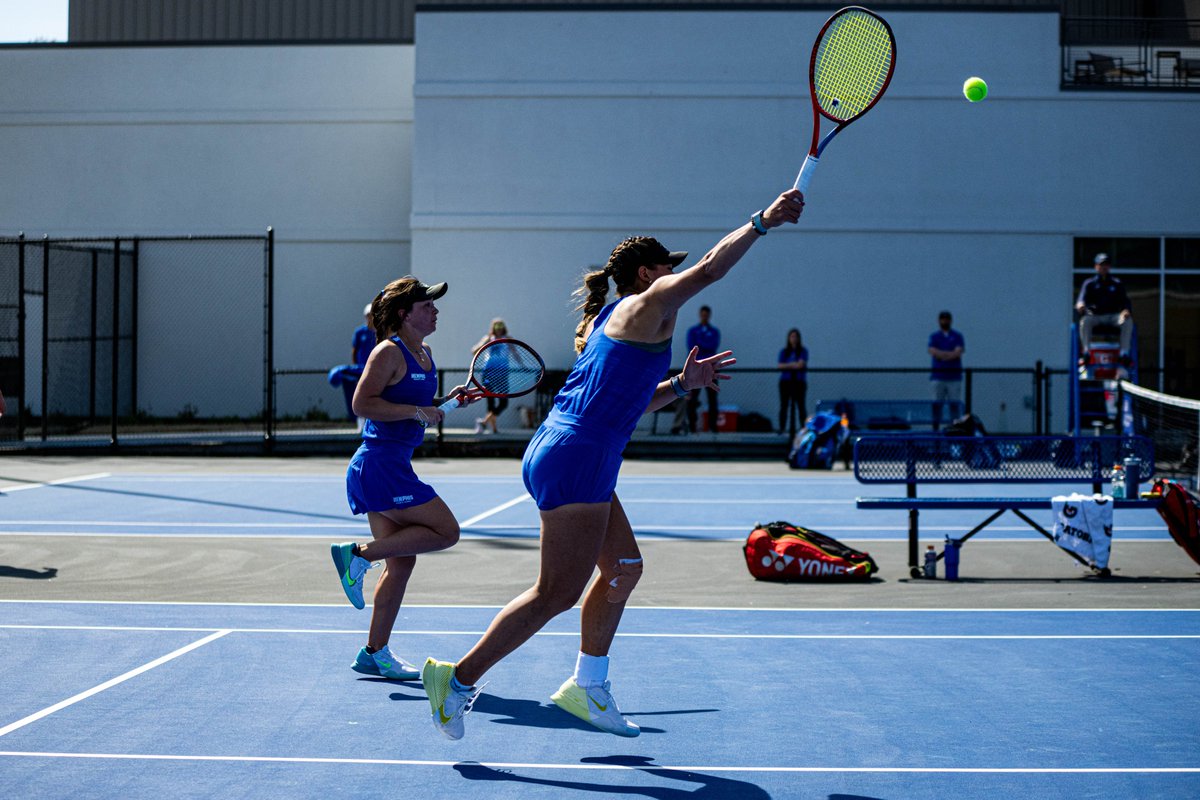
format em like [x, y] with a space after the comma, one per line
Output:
[930, 562]
[950, 556]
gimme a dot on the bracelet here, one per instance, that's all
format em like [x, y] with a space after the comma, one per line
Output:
[677, 386]
[757, 222]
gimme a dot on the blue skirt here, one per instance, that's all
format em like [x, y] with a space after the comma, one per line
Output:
[380, 477]
[566, 466]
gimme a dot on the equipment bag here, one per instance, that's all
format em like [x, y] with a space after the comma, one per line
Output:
[781, 551]
[1180, 509]
[819, 442]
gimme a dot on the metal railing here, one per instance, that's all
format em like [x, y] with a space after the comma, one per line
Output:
[1120, 53]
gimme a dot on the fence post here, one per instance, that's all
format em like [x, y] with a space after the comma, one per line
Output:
[967, 390]
[45, 333]
[92, 337]
[133, 328]
[1038, 376]
[269, 340]
[116, 340]
[21, 337]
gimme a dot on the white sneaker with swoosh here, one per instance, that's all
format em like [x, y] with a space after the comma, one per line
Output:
[594, 705]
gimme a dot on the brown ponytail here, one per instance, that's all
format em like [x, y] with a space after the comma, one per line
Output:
[593, 293]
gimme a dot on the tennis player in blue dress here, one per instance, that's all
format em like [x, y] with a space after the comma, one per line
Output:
[396, 396]
[571, 465]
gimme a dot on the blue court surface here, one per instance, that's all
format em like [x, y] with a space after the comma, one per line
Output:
[212, 700]
[663, 507]
[150, 700]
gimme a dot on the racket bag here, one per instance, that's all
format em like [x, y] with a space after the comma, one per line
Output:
[781, 551]
[1180, 509]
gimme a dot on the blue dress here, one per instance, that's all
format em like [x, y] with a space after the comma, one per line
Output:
[575, 455]
[380, 475]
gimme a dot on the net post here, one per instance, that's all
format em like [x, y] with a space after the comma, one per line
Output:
[92, 338]
[133, 327]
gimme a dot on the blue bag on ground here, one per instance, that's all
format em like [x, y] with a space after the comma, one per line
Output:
[819, 443]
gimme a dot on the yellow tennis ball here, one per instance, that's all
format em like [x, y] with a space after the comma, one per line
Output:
[975, 89]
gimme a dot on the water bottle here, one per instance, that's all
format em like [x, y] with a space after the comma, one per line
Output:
[1133, 476]
[1118, 482]
[951, 558]
[931, 562]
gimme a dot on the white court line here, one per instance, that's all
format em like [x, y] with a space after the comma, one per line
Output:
[787, 610]
[45, 712]
[781, 636]
[519, 499]
[408, 762]
[20, 487]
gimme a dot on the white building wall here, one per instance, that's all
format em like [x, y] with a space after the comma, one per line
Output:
[313, 140]
[545, 138]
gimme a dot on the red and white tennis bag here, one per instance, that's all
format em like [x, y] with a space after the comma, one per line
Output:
[1180, 509]
[781, 551]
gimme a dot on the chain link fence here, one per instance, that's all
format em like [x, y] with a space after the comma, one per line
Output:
[111, 340]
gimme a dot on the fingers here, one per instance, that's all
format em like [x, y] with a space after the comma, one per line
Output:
[725, 354]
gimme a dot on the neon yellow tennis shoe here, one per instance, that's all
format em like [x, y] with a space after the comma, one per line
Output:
[594, 705]
[448, 706]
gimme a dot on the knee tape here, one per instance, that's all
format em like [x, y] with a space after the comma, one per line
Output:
[629, 572]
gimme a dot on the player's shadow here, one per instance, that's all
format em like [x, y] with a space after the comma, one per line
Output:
[74, 487]
[533, 714]
[699, 785]
[47, 573]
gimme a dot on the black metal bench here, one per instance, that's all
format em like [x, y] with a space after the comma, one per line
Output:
[915, 460]
[882, 416]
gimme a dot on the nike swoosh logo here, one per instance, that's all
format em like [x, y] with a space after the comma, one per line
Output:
[443, 717]
[597, 705]
[350, 581]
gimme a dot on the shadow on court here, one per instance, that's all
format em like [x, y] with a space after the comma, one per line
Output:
[75, 487]
[708, 787]
[46, 574]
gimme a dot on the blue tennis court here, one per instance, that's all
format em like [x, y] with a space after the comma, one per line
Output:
[223, 699]
[208, 700]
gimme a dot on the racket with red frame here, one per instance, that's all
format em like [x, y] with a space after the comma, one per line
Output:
[852, 64]
[503, 368]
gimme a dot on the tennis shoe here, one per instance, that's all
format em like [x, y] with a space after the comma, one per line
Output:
[479, 426]
[594, 705]
[351, 569]
[385, 664]
[447, 706]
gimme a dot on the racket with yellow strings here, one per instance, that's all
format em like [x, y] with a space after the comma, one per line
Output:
[852, 64]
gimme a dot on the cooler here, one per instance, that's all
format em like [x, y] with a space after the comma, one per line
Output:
[727, 419]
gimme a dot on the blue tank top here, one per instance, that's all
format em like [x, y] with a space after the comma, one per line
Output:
[610, 386]
[416, 388]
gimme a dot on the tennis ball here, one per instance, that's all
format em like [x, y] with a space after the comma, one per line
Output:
[975, 89]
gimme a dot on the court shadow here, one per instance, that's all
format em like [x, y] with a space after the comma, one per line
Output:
[47, 573]
[852, 797]
[702, 786]
[75, 487]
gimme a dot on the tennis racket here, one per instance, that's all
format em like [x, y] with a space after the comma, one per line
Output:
[503, 368]
[852, 64]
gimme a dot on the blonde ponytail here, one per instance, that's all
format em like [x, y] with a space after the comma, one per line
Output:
[593, 293]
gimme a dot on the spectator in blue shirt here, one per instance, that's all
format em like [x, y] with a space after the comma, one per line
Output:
[347, 375]
[945, 375]
[1102, 301]
[707, 340]
[793, 382]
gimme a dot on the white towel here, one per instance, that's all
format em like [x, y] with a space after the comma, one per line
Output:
[1083, 525]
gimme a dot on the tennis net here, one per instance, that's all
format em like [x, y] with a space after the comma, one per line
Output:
[1172, 423]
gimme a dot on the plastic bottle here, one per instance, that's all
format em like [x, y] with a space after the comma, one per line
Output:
[1118, 481]
[1133, 476]
[930, 562]
[950, 556]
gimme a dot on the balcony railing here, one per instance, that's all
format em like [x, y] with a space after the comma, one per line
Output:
[1113, 53]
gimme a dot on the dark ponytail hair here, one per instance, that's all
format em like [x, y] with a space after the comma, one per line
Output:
[622, 267]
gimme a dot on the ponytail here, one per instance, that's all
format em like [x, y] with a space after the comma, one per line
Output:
[593, 293]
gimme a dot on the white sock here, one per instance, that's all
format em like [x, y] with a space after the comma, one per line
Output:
[591, 670]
